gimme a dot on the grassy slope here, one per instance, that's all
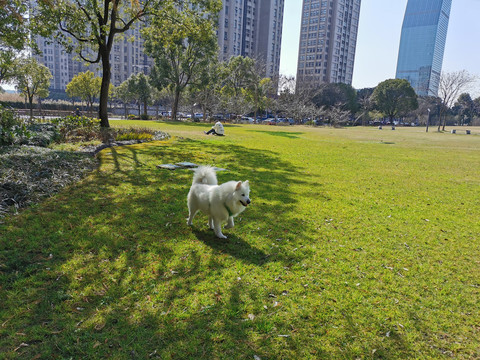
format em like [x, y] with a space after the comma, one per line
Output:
[358, 243]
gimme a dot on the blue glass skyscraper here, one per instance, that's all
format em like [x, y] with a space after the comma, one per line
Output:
[422, 44]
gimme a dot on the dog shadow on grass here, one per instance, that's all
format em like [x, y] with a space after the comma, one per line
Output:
[234, 246]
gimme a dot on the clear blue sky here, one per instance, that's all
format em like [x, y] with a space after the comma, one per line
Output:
[379, 37]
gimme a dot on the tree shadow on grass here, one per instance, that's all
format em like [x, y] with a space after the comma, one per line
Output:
[287, 134]
[196, 124]
[109, 267]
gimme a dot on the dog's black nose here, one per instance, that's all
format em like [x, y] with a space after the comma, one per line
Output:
[248, 201]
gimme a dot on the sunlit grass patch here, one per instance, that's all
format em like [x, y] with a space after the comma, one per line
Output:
[359, 243]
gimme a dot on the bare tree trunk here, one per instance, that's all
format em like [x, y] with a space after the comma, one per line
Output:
[439, 121]
[176, 100]
[103, 106]
[204, 109]
[30, 101]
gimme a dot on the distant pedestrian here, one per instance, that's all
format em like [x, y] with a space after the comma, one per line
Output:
[77, 112]
[216, 129]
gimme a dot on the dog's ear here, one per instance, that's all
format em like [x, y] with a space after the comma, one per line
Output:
[246, 183]
[239, 184]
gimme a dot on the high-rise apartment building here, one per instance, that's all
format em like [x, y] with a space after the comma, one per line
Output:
[422, 44]
[127, 57]
[62, 65]
[328, 39]
[252, 28]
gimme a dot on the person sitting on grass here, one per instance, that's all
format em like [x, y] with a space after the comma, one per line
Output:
[216, 129]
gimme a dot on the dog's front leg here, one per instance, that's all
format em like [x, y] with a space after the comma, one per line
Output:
[217, 227]
[191, 215]
[230, 223]
[210, 223]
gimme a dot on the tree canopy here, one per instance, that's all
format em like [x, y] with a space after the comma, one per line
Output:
[394, 97]
[32, 79]
[451, 85]
[182, 41]
[85, 86]
[94, 26]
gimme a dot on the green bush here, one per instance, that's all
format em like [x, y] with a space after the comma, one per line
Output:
[12, 128]
[134, 136]
[131, 117]
[42, 134]
[134, 133]
[77, 128]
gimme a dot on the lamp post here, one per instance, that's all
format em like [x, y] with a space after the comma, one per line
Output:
[428, 119]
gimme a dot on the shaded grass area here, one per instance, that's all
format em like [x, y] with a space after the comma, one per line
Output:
[350, 248]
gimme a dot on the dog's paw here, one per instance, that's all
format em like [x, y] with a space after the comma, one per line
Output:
[221, 236]
[189, 223]
[228, 226]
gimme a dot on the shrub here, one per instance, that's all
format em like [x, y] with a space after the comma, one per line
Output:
[131, 117]
[77, 128]
[134, 136]
[41, 134]
[12, 128]
[134, 133]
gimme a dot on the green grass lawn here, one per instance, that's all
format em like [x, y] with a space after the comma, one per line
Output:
[359, 243]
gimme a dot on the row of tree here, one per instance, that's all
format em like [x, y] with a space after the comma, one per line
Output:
[180, 37]
[237, 87]
[186, 26]
[394, 99]
[234, 87]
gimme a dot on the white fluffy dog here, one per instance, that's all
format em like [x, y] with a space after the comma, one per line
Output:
[220, 202]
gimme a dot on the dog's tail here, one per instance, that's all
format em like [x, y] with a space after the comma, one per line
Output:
[205, 175]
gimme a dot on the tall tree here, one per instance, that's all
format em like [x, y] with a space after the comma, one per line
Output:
[86, 86]
[144, 91]
[428, 109]
[123, 93]
[32, 79]
[336, 94]
[13, 35]
[205, 90]
[466, 108]
[182, 40]
[138, 88]
[296, 102]
[237, 75]
[258, 94]
[451, 85]
[94, 24]
[364, 106]
[259, 90]
[394, 97]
